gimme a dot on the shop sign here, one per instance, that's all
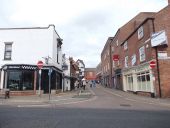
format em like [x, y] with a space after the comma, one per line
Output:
[159, 38]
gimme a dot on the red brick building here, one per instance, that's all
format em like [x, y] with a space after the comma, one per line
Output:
[90, 73]
[106, 63]
[132, 49]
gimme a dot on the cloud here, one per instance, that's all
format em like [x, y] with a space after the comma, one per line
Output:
[84, 25]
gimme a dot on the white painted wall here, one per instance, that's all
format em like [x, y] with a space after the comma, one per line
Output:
[67, 73]
[30, 45]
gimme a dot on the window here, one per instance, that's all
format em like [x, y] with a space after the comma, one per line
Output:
[143, 81]
[130, 82]
[133, 59]
[126, 61]
[112, 49]
[20, 80]
[8, 51]
[58, 50]
[125, 46]
[142, 53]
[140, 32]
[113, 63]
[117, 43]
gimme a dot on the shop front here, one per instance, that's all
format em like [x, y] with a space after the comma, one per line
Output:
[23, 79]
[139, 80]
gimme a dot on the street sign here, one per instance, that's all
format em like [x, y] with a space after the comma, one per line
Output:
[152, 64]
[40, 64]
[115, 57]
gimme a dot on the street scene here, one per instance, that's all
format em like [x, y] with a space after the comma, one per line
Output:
[84, 64]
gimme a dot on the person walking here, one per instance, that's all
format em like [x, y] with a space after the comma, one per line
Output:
[84, 84]
[76, 85]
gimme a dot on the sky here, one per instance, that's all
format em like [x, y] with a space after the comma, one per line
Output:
[84, 25]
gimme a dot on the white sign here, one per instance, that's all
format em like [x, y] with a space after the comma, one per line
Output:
[158, 38]
[162, 54]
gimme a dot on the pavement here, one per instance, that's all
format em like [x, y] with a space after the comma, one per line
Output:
[137, 98]
[68, 97]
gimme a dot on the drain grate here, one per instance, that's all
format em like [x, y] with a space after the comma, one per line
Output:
[125, 105]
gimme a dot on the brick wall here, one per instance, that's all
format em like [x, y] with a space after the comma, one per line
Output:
[162, 22]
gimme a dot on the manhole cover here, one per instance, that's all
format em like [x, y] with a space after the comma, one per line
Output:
[125, 105]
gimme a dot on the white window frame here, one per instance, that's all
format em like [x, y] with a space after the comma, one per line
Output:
[126, 61]
[117, 42]
[143, 83]
[112, 49]
[113, 64]
[142, 55]
[125, 45]
[8, 51]
[133, 59]
[140, 32]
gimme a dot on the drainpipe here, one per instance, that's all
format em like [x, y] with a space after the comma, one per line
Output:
[157, 64]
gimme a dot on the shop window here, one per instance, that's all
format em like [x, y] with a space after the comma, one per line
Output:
[130, 82]
[20, 80]
[143, 81]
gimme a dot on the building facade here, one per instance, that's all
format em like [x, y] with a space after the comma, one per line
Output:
[20, 50]
[135, 47]
[90, 73]
[106, 64]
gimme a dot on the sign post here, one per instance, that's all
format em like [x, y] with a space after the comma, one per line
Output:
[40, 65]
[49, 73]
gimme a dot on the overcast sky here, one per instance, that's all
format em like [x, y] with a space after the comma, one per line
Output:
[84, 25]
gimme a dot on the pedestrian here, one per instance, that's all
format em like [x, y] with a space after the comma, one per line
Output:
[76, 85]
[94, 83]
[84, 84]
[91, 83]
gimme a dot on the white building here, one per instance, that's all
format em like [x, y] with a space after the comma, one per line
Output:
[81, 66]
[66, 72]
[21, 49]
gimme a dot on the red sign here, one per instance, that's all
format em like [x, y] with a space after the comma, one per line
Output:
[115, 57]
[152, 64]
[40, 64]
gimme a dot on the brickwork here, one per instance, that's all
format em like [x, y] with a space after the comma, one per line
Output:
[162, 22]
[106, 63]
[90, 73]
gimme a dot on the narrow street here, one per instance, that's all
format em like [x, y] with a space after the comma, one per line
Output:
[105, 109]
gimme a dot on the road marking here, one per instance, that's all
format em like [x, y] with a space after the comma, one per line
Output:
[47, 105]
[113, 93]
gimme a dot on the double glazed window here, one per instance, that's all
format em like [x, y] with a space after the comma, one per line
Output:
[8, 51]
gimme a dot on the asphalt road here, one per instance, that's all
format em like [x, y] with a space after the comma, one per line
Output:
[104, 110]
